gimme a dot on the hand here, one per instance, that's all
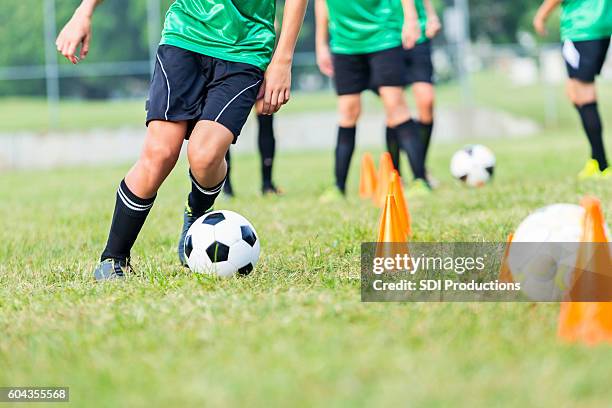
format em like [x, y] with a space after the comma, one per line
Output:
[77, 32]
[433, 27]
[539, 24]
[411, 32]
[276, 88]
[324, 61]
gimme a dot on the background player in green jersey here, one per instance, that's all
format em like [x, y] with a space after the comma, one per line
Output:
[359, 45]
[586, 27]
[420, 76]
[214, 60]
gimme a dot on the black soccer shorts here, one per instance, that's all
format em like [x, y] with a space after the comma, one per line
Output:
[584, 59]
[355, 73]
[188, 86]
[419, 67]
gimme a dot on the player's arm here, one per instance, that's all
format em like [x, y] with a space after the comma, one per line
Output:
[324, 58]
[411, 31]
[277, 82]
[545, 10]
[77, 32]
[433, 21]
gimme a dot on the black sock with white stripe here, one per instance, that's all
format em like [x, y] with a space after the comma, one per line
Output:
[201, 199]
[129, 216]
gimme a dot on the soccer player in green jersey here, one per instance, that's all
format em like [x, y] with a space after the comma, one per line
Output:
[419, 75]
[360, 46]
[586, 27]
[215, 59]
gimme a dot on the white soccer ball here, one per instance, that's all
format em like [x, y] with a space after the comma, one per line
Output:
[544, 249]
[222, 243]
[473, 165]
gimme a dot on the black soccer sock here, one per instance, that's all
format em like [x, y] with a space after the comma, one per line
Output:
[426, 131]
[591, 121]
[201, 199]
[344, 153]
[267, 147]
[393, 147]
[410, 141]
[128, 218]
[227, 187]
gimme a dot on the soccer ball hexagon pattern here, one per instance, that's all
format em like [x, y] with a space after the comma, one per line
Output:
[222, 243]
[473, 165]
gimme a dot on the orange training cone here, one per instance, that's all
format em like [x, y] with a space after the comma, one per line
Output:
[367, 180]
[384, 177]
[505, 275]
[395, 188]
[390, 230]
[590, 322]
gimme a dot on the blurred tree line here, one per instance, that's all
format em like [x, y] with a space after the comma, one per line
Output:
[120, 34]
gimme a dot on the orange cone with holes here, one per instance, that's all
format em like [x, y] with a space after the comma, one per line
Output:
[367, 179]
[384, 178]
[590, 322]
[395, 188]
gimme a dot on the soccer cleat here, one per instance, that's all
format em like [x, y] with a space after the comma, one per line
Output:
[419, 187]
[188, 220]
[272, 190]
[111, 269]
[607, 173]
[331, 195]
[590, 170]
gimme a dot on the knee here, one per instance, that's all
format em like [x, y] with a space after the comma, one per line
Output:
[349, 114]
[204, 162]
[159, 157]
[397, 113]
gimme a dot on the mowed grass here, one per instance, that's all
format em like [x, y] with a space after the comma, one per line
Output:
[295, 331]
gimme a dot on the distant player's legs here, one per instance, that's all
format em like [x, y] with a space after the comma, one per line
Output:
[584, 97]
[349, 109]
[136, 193]
[228, 189]
[266, 142]
[406, 129]
[424, 96]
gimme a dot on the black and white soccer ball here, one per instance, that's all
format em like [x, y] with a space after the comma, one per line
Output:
[473, 165]
[222, 243]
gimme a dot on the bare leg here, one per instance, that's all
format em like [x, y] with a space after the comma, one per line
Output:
[160, 152]
[136, 193]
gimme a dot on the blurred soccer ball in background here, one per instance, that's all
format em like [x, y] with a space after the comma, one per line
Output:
[222, 243]
[474, 165]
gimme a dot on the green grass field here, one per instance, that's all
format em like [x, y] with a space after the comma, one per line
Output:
[294, 332]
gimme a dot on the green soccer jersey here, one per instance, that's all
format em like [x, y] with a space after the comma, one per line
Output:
[232, 30]
[398, 17]
[583, 20]
[422, 13]
[362, 26]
